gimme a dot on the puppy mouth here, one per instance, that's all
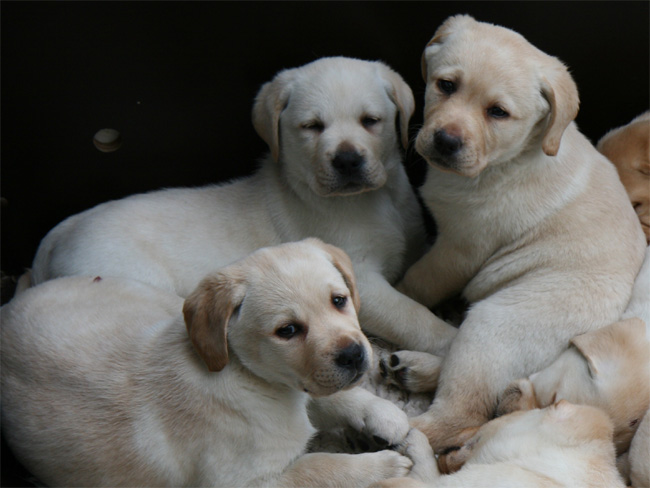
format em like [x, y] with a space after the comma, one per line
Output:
[347, 186]
[323, 383]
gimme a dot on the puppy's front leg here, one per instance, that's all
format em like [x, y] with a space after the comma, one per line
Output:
[348, 470]
[362, 411]
[437, 276]
[396, 318]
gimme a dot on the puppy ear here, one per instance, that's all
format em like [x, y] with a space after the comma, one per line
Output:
[439, 37]
[561, 92]
[584, 343]
[343, 264]
[207, 312]
[402, 96]
[270, 101]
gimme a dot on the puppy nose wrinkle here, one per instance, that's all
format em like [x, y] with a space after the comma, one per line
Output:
[446, 144]
[347, 162]
[352, 357]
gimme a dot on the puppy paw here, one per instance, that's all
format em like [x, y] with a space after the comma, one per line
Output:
[417, 372]
[382, 422]
[392, 464]
[417, 448]
[519, 395]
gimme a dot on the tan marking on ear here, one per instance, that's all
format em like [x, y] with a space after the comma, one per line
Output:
[402, 96]
[560, 90]
[270, 101]
[207, 312]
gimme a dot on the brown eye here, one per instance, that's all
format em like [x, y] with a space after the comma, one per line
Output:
[339, 301]
[447, 87]
[497, 112]
[289, 331]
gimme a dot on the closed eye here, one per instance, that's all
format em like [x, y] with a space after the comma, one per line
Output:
[369, 121]
[314, 125]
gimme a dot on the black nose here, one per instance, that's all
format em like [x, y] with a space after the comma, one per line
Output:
[446, 144]
[347, 163]
[353, 357]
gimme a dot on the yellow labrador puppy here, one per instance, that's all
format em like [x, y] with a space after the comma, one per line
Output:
[563, 445]
[145, 398]
[535, 227]
[628, 147]
[608, 368]
[334, 172]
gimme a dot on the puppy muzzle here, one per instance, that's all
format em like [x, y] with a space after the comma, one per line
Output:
[350, 172]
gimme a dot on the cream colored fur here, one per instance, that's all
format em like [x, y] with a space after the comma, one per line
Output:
[535, 227]
[309, 116]
[105, 384]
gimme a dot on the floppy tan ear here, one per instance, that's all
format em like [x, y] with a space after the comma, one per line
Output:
[269, 104]
[560, 90]
[441, 33]
[207, 312]
[402, 96]
[623, 337]
[343, 264]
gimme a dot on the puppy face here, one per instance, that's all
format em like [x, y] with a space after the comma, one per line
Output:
[288, 314]
[608, 368]
[331, 123]
[490, 97]
[628, 148]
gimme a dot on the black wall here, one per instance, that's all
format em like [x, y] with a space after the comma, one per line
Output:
[178, 79]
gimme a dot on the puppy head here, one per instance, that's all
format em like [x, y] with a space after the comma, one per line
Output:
[490, 97]
[287, 313]
[523, 433]
[608, 368]
[628, 147]
[331, 123]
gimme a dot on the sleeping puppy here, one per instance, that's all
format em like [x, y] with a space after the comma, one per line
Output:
[535, 227]
[145, 398]
[608, 368]
[335, 172]
[563, 445]
[628, 147]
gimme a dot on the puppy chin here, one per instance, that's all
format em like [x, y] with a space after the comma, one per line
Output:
[471, 170]
[339, 187]
[317, 391]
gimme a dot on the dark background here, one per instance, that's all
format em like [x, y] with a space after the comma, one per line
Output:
[177, 79]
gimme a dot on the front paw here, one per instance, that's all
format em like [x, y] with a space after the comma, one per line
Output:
[519, 395]
[417, 448]
[383, 422]
[417, 372]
